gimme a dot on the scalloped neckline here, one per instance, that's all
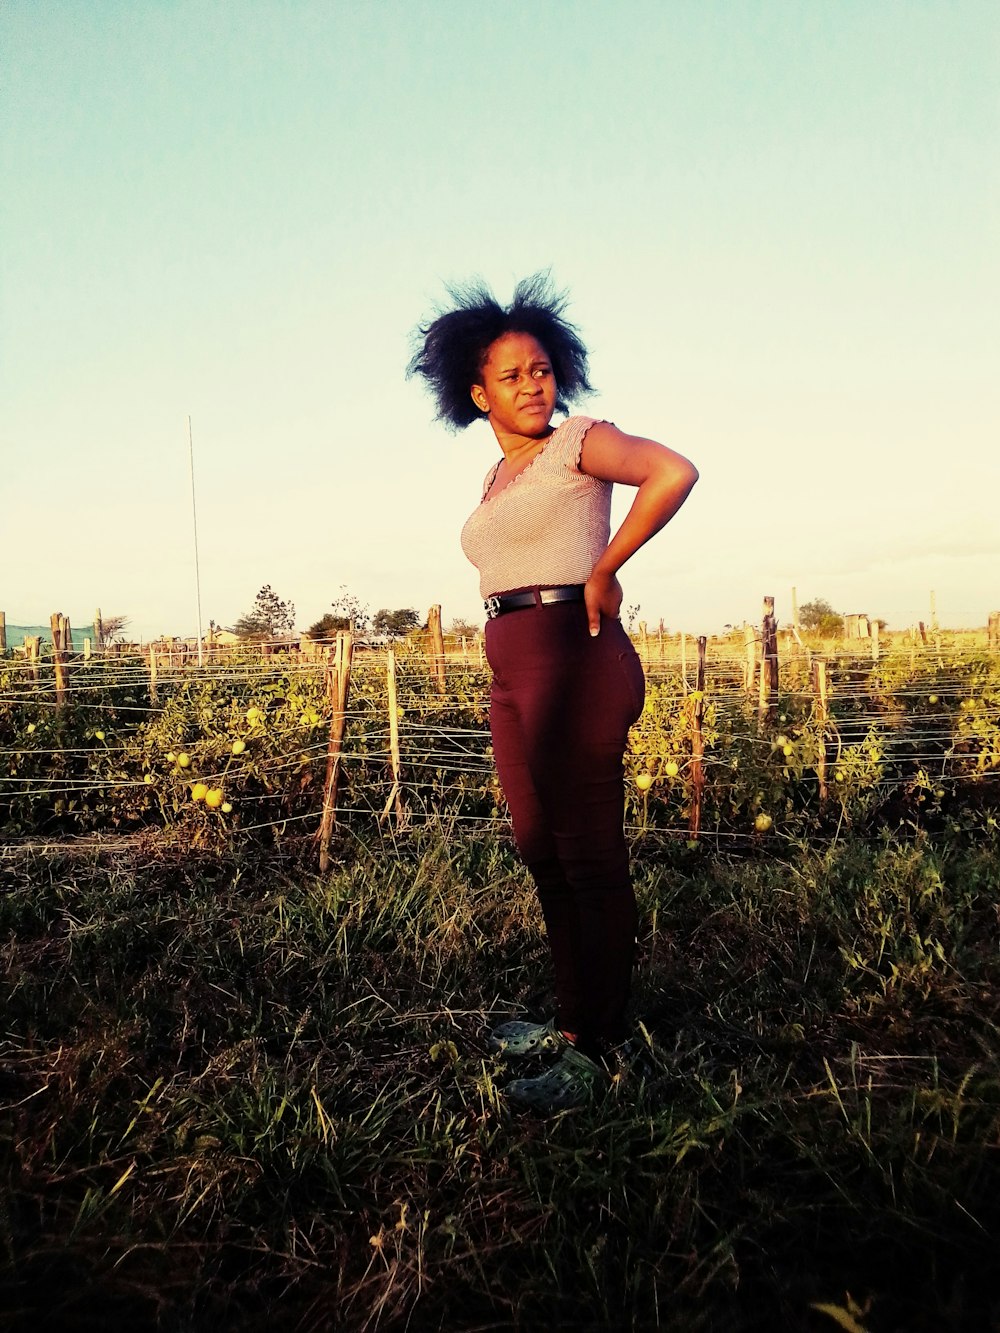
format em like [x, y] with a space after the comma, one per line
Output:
[488, 499]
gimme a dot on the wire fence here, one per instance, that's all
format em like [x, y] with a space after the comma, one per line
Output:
[108, 750]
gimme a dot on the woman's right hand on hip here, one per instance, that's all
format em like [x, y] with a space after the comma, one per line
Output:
[602, 595]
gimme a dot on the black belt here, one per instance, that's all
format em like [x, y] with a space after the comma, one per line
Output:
[517, 601]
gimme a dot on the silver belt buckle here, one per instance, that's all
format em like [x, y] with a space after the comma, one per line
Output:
[492, 605]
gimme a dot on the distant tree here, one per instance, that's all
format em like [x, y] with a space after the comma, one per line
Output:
[268, 617]
[326, 627]
[346, 612]
[819, 615]
[353, 613]
[463, 629]
[113, 627]
[395, 623]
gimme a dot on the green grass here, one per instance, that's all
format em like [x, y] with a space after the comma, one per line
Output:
[237, 1095]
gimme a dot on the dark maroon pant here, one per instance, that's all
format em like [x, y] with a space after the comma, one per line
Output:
[561, 706]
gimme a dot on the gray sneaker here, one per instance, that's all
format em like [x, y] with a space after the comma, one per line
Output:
[574, 1081]
[519, 1039]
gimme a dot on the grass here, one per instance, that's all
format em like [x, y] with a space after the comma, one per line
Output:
[237, 1095]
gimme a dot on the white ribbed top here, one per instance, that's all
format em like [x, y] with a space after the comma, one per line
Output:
[549, 526]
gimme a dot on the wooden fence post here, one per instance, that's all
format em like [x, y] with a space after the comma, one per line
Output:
[338, 688]
[98, 632]
[750, 658]
[3, 632]
[33, 653]
[437, 646]
[684, 662]
[58, 656]
[644, 642]
[767, 708]
[876, 631]
[698, 742]
[993, 631]
[396, 795]
[660, 636]
[153, 699]
[822, 716]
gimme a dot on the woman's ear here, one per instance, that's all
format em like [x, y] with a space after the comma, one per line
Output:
[479, 398]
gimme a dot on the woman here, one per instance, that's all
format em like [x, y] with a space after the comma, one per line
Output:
[567, 683]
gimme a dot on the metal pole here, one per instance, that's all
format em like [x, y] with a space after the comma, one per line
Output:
[194, 520]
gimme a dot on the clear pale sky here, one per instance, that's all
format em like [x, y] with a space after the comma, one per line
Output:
[778, 221]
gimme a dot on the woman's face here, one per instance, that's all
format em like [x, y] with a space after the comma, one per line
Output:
[518, 388]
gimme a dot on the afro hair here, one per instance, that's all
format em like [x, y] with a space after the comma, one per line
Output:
[450, 350]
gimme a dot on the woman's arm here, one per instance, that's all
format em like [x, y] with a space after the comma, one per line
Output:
[664, 480]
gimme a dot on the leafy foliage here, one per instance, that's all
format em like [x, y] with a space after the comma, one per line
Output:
[346, 612]
[909, 741]
[268, 617]
[395, 624]
[327, 627]
[463, 629]
[819, 616]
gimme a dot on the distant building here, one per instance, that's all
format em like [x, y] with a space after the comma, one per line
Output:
[857, 626]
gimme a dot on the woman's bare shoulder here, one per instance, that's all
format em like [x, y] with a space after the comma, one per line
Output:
[614, 455]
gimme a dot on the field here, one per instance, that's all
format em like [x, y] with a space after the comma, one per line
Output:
[238, 1092]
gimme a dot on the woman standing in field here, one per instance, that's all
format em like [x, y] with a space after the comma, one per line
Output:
[567, 683]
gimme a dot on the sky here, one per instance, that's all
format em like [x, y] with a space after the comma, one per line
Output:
[777, 221]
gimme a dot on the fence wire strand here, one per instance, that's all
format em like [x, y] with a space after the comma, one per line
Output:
[913, 704]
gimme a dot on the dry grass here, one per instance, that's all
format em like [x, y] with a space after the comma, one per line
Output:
[239, 1096]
